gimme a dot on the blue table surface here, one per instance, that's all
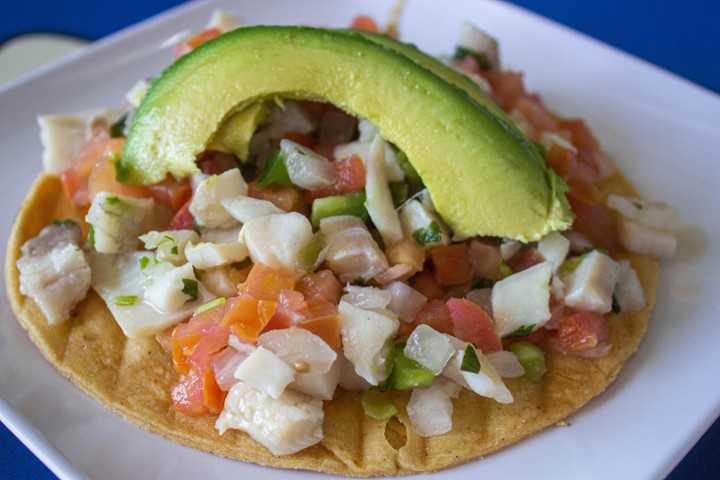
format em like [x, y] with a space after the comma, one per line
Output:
[680, 36]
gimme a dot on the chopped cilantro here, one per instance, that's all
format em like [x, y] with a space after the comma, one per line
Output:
[616, 307]
[211, 304]
[125, 300]
[117, 129]
[429, 234]
[91, 235]
[144, 262]
[190, 288]
[639, 206]
[112, 200]
[399, 192]
[63, 223]
[479, 282]
[470, 362]
[275, 172]
[174, 250]
[481, 58]
[522, 331]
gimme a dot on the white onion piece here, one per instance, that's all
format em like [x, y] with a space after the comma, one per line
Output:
[482, 298]
[429, 348]
[299, 348]
[244, 208]
[506, 364]
[366, 297]
[629, 291]
[319, 385]
[349, 379]
[306, 168]
[430, 411]
[265, 371]
[224, 365]
[405, 301]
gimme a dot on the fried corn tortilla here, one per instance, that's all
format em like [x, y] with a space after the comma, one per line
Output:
[133, 378]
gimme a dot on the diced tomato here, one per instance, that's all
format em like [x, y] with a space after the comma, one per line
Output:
[247, 316]
[75, 179]
[452, 264]
[539, 337]
[187, 395]
[291, 308]
[183, 219]
[326, 327]
[364, 22]
[102, 177]
[350, 173]
[435, 314]
[581, 331]
[426, 283]
[562, 160]
[318, 307]
[470, 65]
[212, 341]
[472, 324]
[171, 193]
[303, 139]
[285, 198]
[266, 283]
[593, 221]
[195, 41]
[525, 259]
[321, 285]
[507, 87]
[213, 396]
[485, 259]
[535, 113]
[580, 134]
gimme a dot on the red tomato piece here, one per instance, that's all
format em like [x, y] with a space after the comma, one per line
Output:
[426, 283]
[195, 41]
[321, 285]
[580, 134]
[187, 395]
[247, 316]
[171, 193]
[581, 331]
[266, 283]
[102, 176]
[350, 173]
[75, 179]
[183, 219]
[452, 264]
[535, 113]
[285, 198]
[507, 87]
[326, 327]
[562, 160]
[364, 22]
[485, 259]
[303, 139]
[525, 259]
[213, 395]
[291, 308]
[472, 324]
[435, 314]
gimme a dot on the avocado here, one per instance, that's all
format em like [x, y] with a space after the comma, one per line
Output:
[482, 179]
[234, 134]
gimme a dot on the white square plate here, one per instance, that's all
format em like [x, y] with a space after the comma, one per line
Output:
[662, 130]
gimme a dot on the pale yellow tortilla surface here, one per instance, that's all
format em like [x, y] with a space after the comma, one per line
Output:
[133, 378]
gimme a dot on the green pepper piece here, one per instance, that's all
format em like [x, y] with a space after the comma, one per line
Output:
[350, 204]
[532, 360]
[378, 406]
[406, 373]
[275, 172]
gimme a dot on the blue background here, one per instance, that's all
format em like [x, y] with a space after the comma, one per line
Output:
[680, 36]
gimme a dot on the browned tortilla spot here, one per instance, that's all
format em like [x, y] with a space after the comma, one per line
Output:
[133, 378]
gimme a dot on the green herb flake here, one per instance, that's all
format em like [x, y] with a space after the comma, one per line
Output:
[479, 282]
[616, 307]
[91, 235]
[470, 362]
[144, 262]
[112, 200]
[174, 250]
[210, 305]
[522, 331]
[429, 234]
[117, 129]
[399, 192]
[639, 206]
[481, 58]
[190, 288]
[63, 223]
[125, 300]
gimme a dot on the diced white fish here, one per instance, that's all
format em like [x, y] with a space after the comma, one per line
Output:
[299, 348]
[554, 248]
[220, 281]
[319, 385]
[366, 297]
[522, 299]
[172, 290]
[416, 216]
[53, 271]
[63, 136]
[629, 291]
[352, 252]
[284, 425]
[366, 335]
[278, 241]
[204, 255]
[265, 371]
[121, 276]
[169, 245]
[647, 228]
[244, 208]
[306, 168]
[116, 222]
[206, 206]
[430, 410]
[589, 286]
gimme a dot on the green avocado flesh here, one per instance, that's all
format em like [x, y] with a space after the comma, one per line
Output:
[483, 178]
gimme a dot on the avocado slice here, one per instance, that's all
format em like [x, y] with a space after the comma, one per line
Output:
[482, 179]
[234, 134]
